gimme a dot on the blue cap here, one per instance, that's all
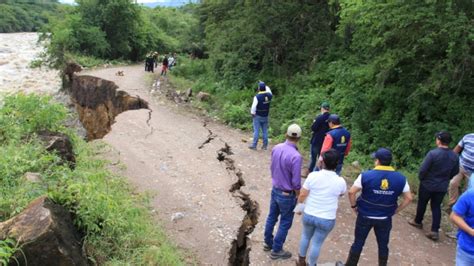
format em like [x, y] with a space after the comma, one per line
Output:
[261, 85]
[334, 119]
[383, 155]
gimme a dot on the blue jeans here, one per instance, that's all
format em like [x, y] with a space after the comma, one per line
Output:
[260, 122]
[463, 258]
[315, 150]
[339, 169]
[314, 229]
[280, 205]
[382, 230]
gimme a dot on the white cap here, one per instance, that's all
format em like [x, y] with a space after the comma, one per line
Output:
[294, 131]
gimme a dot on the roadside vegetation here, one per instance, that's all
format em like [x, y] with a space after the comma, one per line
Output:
[116, 225]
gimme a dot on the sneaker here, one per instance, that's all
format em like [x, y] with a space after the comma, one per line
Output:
[252, 147]
[266, 247]
[280, 255]
[433, 236]
[264, 148]
[415, 224]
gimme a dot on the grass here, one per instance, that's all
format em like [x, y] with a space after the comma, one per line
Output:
[117, 226]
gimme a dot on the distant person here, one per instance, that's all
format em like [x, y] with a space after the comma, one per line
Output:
[170, 61]
[319, 127]
[286, 180]
[149, 63]
[155, 58]
[320, 194]
[438, 167]
[465, 149]
[164, 66]
[259, 111]
[463, 216]
[337, 138]
[376, 205]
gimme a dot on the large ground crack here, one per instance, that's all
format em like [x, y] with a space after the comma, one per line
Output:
[239, 252]
[148, 123]
[210, 136]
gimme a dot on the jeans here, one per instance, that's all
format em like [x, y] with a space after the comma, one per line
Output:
[280, 205]
[382, 233]
[436, 199]
[314, 229]
[339, 169]
[315, 150]
[260, 122]
[463, 258]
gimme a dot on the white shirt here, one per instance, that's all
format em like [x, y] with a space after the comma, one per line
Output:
[253, 109]
[325, 187]
[358, 183]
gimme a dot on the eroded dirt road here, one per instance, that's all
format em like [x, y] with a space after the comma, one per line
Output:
[160, 149]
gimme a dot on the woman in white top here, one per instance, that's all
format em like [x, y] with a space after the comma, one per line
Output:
[321, 191]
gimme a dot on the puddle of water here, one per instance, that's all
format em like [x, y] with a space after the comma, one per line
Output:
[17, 50]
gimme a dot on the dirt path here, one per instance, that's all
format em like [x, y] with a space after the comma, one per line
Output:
[160, 149]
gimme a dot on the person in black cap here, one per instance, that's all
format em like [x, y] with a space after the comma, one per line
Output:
[376, 205]
[438, 167]
[337, 138]
[319, 127]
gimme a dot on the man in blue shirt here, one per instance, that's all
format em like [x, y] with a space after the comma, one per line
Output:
[376, 205]
[463, 216]
[259, 111]
[465, 149]
[286, 180]
[319, 127]
[438, 167]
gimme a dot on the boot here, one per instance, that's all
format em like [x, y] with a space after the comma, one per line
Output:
[301, 261]
[383, 261]
[352, 259]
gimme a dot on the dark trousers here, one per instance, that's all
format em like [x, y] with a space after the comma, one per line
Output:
[435, 198]
[281, 205]
[315, 150]
[382, 230]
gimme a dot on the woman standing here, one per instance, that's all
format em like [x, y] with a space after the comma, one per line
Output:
[321, 191]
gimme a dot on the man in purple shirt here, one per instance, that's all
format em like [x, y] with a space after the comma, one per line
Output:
[286, 179]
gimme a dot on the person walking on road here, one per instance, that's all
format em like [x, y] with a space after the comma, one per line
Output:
[337, 138]
[286, 181]
[164, 66]
[319, 127]
[463, 216]
[319, 198]
[259, 111]
[376, 205]
[438, 167]
[465, 149]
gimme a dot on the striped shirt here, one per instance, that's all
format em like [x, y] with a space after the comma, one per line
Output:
[467, 155]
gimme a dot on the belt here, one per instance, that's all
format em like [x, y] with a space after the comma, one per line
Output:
[288, 192]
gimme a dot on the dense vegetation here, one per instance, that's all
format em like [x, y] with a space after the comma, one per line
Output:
[396, 71]
[117, 228]
[27, 16]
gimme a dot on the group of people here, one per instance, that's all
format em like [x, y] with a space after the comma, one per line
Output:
[167, 62]
[374, 195]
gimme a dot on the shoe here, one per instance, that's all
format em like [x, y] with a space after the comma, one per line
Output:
[252, 147]
[266, 247]
[352, 259]
[280, 255]
[415, 224]
[300, 261]
[451, 234]
[433, 236]
[264, 148]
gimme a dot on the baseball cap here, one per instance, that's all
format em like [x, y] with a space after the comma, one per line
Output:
[294, 131]
[325, 105]
[444, 137]
[261, 85]
[334, 119]
[383, 154]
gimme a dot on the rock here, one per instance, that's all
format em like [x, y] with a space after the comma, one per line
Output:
[32, 177]
[46, 235]
[177, 216]
[59, 143]
[203, 96]
[356, 164]
[189, 92]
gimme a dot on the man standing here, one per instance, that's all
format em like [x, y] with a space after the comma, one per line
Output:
[286, 179]
[466, 165]
[320, 127]
[463, 216]
[376, 205]
[337, 138]
[438, 167]
[260, 110]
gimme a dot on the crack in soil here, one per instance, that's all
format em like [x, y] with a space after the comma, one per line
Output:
[210, 136]
[148, 123]
[239, 252]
